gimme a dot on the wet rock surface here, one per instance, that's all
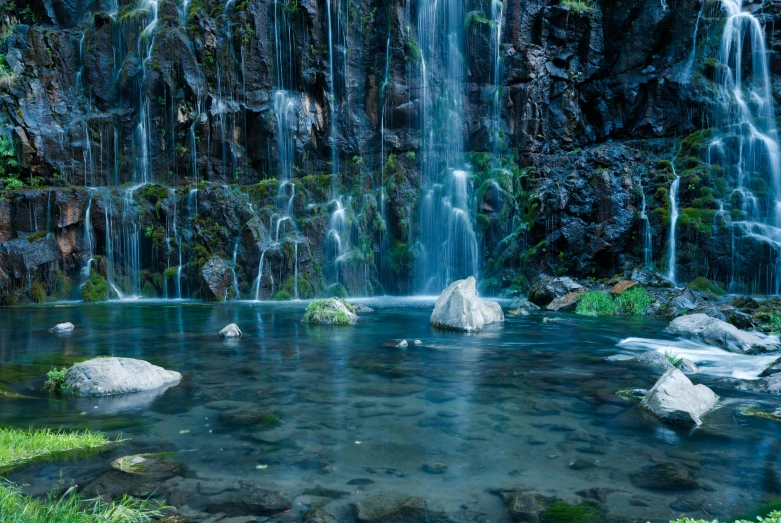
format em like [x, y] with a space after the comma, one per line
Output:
[459, 308]
[110, 376]
[675, 399]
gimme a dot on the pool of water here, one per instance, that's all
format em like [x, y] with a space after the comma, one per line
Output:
[348, 415]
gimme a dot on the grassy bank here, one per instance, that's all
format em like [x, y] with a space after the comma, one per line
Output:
[16, 507]
[20, 446]
[773, 517]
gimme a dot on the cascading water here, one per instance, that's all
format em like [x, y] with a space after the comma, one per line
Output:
[647, 233]
[448, 243]
[746, 147]
[88, 238]
[142, 136]
[671, 255]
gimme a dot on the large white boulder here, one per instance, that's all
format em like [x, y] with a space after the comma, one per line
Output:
[459, 308]
[63, 327]
[722, 334]
[230, 331]
[675, 399]
[109, 376]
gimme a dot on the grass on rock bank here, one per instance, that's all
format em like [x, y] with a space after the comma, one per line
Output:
[20, 446]
[634, 301]
[15, 507]
[773, 517]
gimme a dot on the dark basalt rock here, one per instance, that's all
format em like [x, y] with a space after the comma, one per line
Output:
[250, 500]
[665, 476]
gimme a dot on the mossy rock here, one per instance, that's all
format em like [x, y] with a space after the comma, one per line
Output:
[561, 512]
[338, 291]
[148, 290]
[95, 289]
[332, 311]
[701, 284]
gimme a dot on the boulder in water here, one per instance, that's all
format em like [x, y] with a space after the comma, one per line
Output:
[773, 368]
[657, 359]
[721, 334]
[459, 308]
[230, 331]
[332, 311]
[109, 376]
[62, 327]
[674, 399]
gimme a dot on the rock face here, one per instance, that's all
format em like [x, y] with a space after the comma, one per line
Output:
[230, 331]
[721, 334]
[657, 359]
[674, 399]
[63, 327]
[545, 289]
[217, 277]
[459, 308]
[109, 376]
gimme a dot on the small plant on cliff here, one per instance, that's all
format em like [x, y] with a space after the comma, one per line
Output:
[579, 6]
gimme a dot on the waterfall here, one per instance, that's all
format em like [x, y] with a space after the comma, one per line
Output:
[142, 132]
[260, 276]
[448, 243]
[686, 76]
[295, 270]
[336, 238]
[88, 235]
[647, 242]
[747, 144]
[497, 15]
[331, 92]
[233, 268]
[673, 224]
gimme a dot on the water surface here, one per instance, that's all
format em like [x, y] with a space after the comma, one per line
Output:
[529, 402]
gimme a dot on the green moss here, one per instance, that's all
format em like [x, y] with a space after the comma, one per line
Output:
[754, 411]
[337, 291]
[320, 312]
[705, 285]
[171, 272]
[579, 6]
[282, 296]
[62, 285]
[561, 512]
[148, 290]
[37, 292]
[483, 221]
[37, 236]
[95, 289]
[596, 303]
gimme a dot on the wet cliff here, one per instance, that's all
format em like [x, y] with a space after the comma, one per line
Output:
[293, 148]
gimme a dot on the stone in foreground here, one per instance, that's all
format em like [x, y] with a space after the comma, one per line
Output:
[332, 311]
[459, 308]
[721, 334]
[674, 399]
[230, 331]
[63, 327]
[109, 376]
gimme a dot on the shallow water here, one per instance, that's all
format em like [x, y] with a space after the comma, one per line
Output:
[516, 404]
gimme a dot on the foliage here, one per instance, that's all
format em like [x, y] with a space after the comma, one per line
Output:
[37, 236]
[320, 312]
[705, 285]
[148, 290]
[579, 6]
[37, 292]
[775, 324]
[55, 380]
[596, 303]
[16, 507]
[20, 446]
[337, 291]
[95, 289]
[773, 517]
[633, 301]
[282, 296]
[673, 358]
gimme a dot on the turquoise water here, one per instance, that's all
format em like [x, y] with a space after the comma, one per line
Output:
[528, 402]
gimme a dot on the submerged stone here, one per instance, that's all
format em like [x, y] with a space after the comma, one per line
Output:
[230, 331]
[665, 476]
[62, 327]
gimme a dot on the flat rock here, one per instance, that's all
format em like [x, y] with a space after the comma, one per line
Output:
[109, 376]
[250, 501]
[721, 334]
[623, 285]
[674, 399]
[566, 303]
[665, 476]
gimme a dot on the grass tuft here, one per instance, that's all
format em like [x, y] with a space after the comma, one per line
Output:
[16, 507]
[20, 446]
[633, 302]
[673, 358]
[773, 517]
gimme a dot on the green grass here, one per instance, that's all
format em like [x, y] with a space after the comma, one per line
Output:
[632, 302]
[773, 517]
[20, 446]
[672, 358]
[596, 303]
[16, 507]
